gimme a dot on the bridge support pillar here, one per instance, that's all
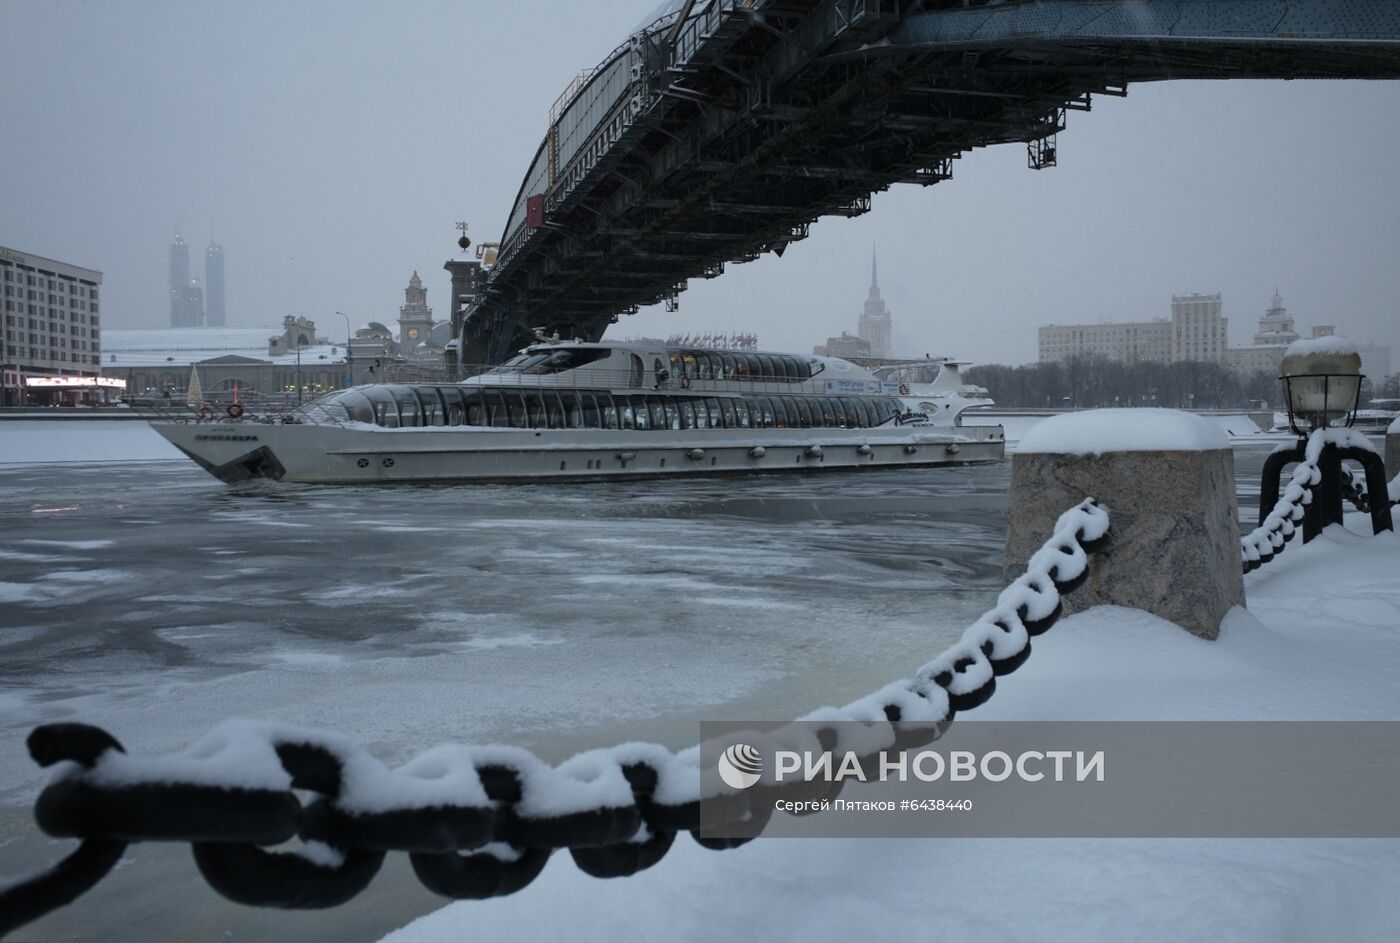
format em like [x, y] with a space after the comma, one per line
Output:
[1168, 480]
[465, 275]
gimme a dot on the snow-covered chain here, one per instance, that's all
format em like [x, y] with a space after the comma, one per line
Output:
[1260, 545]
[476, 821]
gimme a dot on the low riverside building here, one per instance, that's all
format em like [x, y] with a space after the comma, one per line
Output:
[158, 363]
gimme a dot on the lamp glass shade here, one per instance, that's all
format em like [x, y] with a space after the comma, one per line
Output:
[1322, 387]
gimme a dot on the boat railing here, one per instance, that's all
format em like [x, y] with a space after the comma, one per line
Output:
[249, 409]
[586, 378]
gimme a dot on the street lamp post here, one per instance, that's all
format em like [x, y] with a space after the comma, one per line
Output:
[349, 352]
[298, 372]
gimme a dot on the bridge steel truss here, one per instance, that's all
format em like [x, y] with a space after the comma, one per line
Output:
[726, 135]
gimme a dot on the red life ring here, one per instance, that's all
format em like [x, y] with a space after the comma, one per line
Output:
[904, 389]
[234, 410]
[205, 412]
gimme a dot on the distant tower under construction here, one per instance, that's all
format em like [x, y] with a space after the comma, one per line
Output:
[179, 282]
[215, 315]
[874, 327]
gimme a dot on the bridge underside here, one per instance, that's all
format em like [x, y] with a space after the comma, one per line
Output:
[774, 119]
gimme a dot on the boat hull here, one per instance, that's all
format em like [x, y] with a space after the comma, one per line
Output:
[237, 451]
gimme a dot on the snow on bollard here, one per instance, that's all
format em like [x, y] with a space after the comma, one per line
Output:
[1168, 479]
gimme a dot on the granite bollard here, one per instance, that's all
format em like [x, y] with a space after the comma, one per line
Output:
[1168, 480]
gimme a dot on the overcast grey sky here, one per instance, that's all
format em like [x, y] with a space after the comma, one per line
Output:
[330, 147]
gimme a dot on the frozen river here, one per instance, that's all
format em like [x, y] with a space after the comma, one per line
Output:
[147, 598]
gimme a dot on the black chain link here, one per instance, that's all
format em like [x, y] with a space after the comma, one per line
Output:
[476, 822]
[1281, 524]
[1354, 490]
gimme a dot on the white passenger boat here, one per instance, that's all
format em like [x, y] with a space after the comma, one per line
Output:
[574, 410]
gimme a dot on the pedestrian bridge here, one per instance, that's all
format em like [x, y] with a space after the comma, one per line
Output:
[726, 128]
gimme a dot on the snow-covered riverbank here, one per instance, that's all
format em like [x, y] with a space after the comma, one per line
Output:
[1320, 641]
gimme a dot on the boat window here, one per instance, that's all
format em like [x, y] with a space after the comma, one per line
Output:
[723, 408]
[773, 413]
[573, 409]
[765, 368]
[762, 410]
[552, 361]
[728, 364]
[684, 364]
[607, 410]
[534, 408]
[452, 403]
[779, 368]
[393, 408]
[385, 407]
[518, 363]
[692, 414]
[863, 413]
[836, 411]
[429, 405]
[781, 418]
[358, 406]
[804, 411]
[493, 408]
[886, 408]
[828, 412]
[712, 407]
[474, 407]
[634, 379]
[789, 403]
[741, 413]
[410, 409]
[515, 409]
[632, 412]
[869, 412]
[804, 369]
[702, 365]
[848, 407]
[673, 415]
[744, 366]
[588, 410]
